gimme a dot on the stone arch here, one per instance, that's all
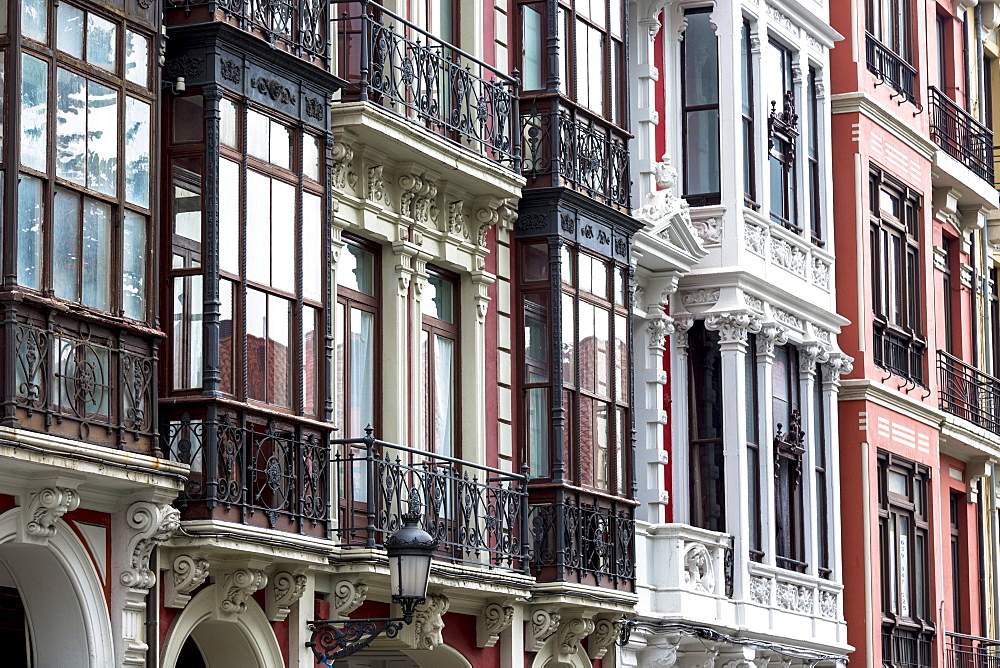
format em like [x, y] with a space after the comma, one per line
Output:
[65, 608]
[247, 642]
[549, 657]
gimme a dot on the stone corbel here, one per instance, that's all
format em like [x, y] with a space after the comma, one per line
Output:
[489, 211]
[425, 209]
[282, 592]
[234, 589]
[771, 334]
[481, 281]
[682, 325]
[945, 206]
[377, 191]
[839, 364]
[975, 471]
[661, 652]
[733, 326]
[186, 574]
[458, 222]
[426, 631]
[348, 597]
[568, 640]
[606, 631]
[659, 329]
[44, 509]
[543, 624]
[153, 524]
[342, 173]
[411, 185]
[494, 620]
[738, 657]
[812, 353]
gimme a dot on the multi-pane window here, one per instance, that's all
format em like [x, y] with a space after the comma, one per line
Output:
[271, 259]
[439, 359]
[895, 259]
[789, 447]
[700, 109]
[947, 289]
[536, 316]
[749, 138]
[889, 22]
[705, 425]
[783, 131]
[955, 536]
[592, 48]
[903, 536]
[356, 338]
[84, 197]
[812, 161]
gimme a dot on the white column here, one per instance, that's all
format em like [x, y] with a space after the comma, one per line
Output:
[838, 365]
[679, 393]
[398, 273]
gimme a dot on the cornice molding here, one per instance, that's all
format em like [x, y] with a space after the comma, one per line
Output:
[865, 104]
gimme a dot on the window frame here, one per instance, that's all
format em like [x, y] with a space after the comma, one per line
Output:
[433, 328]
[693, 198]
[749, 111]
[782, 139]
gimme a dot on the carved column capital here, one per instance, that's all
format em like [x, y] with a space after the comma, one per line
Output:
[812, 353]
[838, 364]
[733, 326]
[187, 573]
[282, 592]
[659, 329]
[771, 334]
[153, 524]
[44, 508]
[494, 620]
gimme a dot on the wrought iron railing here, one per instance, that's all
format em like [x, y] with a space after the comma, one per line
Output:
[900, 354]
[81, 380]
[891, 69]
[963, 651]
[252, 471]
[968, 393]
[905, 647]
[297, 26]
[960, 135]
[584, 538]
[417, 76]
[570, 147]
[477, 513]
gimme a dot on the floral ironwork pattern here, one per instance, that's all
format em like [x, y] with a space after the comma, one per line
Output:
[475, 512]
[415, 75]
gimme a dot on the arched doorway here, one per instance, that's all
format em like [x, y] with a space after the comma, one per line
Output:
[197, 639]
[65, 618]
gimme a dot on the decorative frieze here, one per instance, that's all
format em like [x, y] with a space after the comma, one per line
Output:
[828, 604]
[704, 297]
[755, 238]
[821, 273]
[788, 256]
[786, 318]
[760, 590]
[796, 598]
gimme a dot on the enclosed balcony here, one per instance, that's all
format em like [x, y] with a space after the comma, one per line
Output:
[960, 135]
[968, 393]
[478, 514]
[422, 78]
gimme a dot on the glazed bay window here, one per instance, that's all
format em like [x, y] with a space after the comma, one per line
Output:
[439, 359]
[783, 131]
[592, 48]
[700, 109]
[894, 212]
[84, 197]
[356, 338]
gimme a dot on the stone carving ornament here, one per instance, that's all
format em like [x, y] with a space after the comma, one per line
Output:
[428, 622]
[494, 620]
[187, 574]
[699, 572]
[733, 327]
[153, 524]
[237, 588]
[46, 507]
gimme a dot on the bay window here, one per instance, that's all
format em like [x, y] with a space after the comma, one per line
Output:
[439, 359]
[85, 152]
[700, 109]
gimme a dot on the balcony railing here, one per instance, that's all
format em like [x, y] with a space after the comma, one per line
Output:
[570, 147]
[695, 560]
[891, 69]
[962, 651]
[968, 393]
[81, 380]
[431, 83]
[584, 538]
[905, 647]
[252, 471]
[900, 354]
[297, 26]
[960, 135]
[477, 513]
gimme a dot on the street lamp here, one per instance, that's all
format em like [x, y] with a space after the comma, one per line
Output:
[410, 550]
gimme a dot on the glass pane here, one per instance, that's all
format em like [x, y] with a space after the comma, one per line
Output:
[258, 141]
[338, 393]
[256, 345]
[538, 432]
[279, 351]
[357, 270]
[69, 30]
[283, 236]
[66, 245]
[310, 360]
[189, 118]
[34, 19]
[101, 40]
[600, 445]
[600, 344]
[227, 129]
[137, 152]
[310, 156]
[701, 61]
[258, 263]
[188, 302]
[136, 58]
[441, 304]
[586, 350]
[281, 145]
[622, 446]
[444, 396]
[702, 151]
[134, 266]
[536, 338]
[71, 126]
[535, 262]
[904, 565]
[621, 359]
[361, 402]
[898, 484]
[102, 138]
[29, 232]
[566, 258]
[34, 111]
[227, 331]
[312, 247]
[531, 40]
[229, 216]
[96, 254]
[568, 342]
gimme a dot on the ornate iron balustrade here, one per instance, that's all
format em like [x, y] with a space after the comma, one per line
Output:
[297, 26]
[891, 69]
[476, 513]
[431, 83]
[960, 135]
[565, 147]
[253, 472]
[905, 647]
[968, 393]
[87, 382]
[963, 651]
[899, 354]
[584, 538]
